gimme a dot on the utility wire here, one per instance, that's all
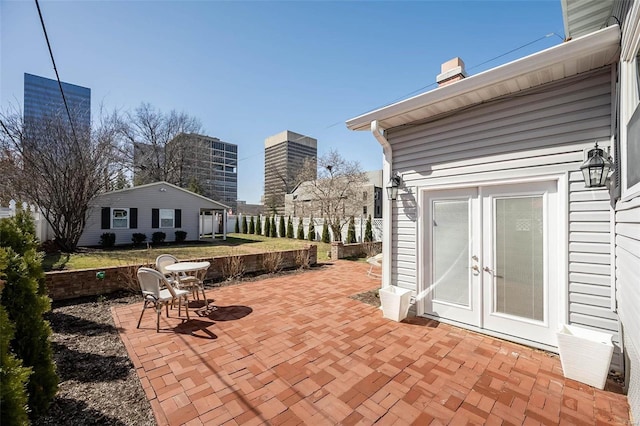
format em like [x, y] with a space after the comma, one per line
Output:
[473, 67]
[53, 61]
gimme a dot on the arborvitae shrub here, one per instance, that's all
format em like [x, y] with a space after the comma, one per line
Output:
[13, 376]
[259, 225]
[312, 230]
[325, 232]
[274, 231]
[244, 224]
[267, 226]
[289, 228]
[281, 230]
[237, 227]
[252, 226]
[351, 231]
[368, 231]
[25, 300]
[300, 230]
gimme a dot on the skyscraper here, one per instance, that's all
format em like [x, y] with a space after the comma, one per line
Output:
[191, 161]
[211, 164]
[43, 100]
[284, 155]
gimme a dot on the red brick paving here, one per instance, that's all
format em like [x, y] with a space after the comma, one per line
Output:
[296, 349]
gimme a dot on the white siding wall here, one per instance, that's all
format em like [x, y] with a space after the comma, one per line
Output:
[628, 287]
[144, 199]
[544, 131]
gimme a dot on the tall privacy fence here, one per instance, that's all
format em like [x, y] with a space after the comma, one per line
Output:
[43, 229]
[360, 226]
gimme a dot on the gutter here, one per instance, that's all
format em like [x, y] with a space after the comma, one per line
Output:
[387, 229]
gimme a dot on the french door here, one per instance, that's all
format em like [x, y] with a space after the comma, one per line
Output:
[491, 258]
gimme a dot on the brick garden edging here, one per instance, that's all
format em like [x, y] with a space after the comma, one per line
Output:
[340, 250]
[83, 282]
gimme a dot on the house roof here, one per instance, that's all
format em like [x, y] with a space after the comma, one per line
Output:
[586, 16]
[580, 55]
[161, 183]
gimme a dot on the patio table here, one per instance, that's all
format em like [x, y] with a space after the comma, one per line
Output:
[179, 269]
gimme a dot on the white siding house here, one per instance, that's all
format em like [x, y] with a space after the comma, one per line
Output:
[154, 207]
[493, 228]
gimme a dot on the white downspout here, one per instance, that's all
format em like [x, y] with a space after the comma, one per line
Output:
[387, 228]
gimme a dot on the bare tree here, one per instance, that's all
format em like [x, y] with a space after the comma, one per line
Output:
[57, 167]
[336, 193]
[154, 149]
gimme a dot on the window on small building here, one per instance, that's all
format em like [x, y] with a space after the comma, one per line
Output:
[364, 195]
[364, 210]
[119, 218]
[167, 218]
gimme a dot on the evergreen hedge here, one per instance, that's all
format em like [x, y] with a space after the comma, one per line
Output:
[25, 300]
[258, 225]
[274, 231]
[311, 236]
[351, 231]
[244, 224]
[289, 228]
[237, 227]
[368, 231]
[281, 230]
[267, 226]
[300, 230]
[325, 232]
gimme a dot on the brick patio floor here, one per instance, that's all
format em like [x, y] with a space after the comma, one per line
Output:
[297, 350]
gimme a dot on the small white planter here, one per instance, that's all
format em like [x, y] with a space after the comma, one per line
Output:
[395, 302]
[585, 355]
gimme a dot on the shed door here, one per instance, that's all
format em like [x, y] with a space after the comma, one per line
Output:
[492, 258]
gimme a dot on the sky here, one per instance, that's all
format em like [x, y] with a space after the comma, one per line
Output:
[250, 69]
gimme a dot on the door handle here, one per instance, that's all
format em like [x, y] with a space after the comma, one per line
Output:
[487, 269]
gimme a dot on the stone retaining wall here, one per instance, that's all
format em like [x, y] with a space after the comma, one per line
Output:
[84, 282]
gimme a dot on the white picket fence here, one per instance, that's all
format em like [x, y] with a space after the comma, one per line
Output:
[43, 229]
[360, 225]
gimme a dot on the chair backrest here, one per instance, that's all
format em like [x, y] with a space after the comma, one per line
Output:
[151, 281]
[164, 260]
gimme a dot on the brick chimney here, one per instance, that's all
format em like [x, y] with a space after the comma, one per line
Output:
[450, 72]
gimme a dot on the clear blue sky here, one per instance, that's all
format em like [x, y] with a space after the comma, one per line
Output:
[249, 70]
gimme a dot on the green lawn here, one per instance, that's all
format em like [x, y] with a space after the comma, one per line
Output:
[235, 244]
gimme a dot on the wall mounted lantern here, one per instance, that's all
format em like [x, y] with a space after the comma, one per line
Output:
[596, 168]
[392, 187]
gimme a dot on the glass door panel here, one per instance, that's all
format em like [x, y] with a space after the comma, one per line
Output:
[451, 251]
[519, 262]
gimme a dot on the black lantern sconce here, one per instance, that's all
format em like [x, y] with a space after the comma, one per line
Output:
[596, 168]
[392, 187]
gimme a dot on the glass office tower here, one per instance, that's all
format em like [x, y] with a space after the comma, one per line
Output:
[43, 100]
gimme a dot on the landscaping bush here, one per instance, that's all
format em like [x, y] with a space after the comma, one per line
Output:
[237, 227]
[244, 224]
[289, 228]
[267, 226]
[13, 376]
[368, 231]
[274, 231]
[108, 240]
[281, 230]
[232, 267]
[158, 237]
[138, 238]
[325, 232]
[300, 229]
[25, 300]
[272, 262]
[351, 231]
[252, 226]
[258, 226]
[312, 230]
[181, 236]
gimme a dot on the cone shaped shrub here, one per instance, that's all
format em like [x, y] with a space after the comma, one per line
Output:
[267, 226]
[351, 231]
[281, 230]
[368, 231]
[312, 230]
[258, 225]
[325, 232]
[237, 227]
[244, 224]
[300, 230]
[252, 226]
[274, 230]
[289, 228]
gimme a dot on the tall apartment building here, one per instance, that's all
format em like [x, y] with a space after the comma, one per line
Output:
[284, 155]
[191, 160]
[42, 100]
[212, 164]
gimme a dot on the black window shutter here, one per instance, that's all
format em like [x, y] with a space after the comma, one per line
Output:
[155, 218]
[106, 217]
[178, 218]
[133, 218]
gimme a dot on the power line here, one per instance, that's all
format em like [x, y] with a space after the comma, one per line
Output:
[473, 67]
[64, 98]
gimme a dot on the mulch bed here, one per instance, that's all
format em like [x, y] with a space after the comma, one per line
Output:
[98, 383]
